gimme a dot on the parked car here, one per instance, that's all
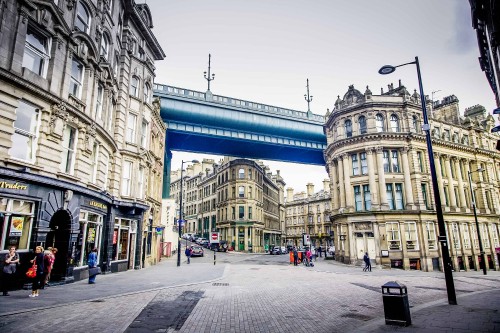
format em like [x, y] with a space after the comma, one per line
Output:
[275, 250]
[193, 237]
[283, 250]
[201, 241]
[187, 235]
[196, 251]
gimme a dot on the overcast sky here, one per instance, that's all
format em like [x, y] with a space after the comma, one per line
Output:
[264, 50]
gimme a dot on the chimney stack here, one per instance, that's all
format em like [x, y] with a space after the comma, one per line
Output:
[326, 185]
[310, 189]
[289, 194]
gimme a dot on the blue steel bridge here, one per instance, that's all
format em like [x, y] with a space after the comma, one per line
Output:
[205, 123]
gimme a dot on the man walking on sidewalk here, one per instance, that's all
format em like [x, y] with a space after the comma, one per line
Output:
[188, 254]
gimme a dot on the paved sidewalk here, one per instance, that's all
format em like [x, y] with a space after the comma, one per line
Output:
[475, 312]
[254, 294]
[163, 275]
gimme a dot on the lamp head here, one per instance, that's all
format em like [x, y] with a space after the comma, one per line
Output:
[386, 69]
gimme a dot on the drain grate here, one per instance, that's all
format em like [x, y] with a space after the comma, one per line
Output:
[356, 316]
[220, 284]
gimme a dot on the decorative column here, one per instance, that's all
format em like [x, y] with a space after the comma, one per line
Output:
[341, 184]
[408, 186]
[451, 188]
[404, 250]
[371, 176]
[334, 189]
[437, 163]
[381, 180]
[461, 188]
[347, 183]
[246, 239]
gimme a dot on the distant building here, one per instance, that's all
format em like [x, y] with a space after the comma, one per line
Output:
[239, 198]
[382, 195]
[81, 140]
[309, 213]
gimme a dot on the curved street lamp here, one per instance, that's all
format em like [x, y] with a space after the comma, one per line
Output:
[481, 250]
[450, 286]
[181, 221]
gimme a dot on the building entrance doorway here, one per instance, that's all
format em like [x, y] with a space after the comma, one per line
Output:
[58, 237]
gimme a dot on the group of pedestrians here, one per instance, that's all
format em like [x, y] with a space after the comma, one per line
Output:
[44, 261]
[307, 257]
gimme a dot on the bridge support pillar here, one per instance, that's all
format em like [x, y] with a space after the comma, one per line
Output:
[165, 194]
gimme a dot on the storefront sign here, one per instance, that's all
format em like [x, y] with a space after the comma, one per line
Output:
[95, 204]
[16, 226]
[15, 186]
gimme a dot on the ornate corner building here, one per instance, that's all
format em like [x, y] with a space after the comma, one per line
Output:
[381, 190]
[81, 141]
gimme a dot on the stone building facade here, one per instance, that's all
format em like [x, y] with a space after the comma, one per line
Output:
[81, 141]
[381, 190]
[239, 198]
[309, 213]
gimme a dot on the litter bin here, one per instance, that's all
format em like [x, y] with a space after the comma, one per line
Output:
[396, 307]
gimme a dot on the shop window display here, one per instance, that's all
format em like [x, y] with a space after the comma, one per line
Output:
[89, 237]
[16, 218]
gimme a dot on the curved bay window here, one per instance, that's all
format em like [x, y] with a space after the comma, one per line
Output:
[348, 128]
[362, 125]
[89, 237]
[122, 235]
[16, 218]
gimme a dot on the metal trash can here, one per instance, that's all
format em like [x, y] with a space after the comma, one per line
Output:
[396, 307]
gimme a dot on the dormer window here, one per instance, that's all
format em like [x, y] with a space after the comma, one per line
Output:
[348, 128]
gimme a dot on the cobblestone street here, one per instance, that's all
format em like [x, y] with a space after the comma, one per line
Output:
[242, 293]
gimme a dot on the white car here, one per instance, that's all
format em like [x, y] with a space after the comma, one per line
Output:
[186, 235]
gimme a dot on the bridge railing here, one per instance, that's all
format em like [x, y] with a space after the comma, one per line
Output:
[237, 102]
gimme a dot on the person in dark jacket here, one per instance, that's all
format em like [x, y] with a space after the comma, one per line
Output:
[368, 265]
[39, 278]
[295, 256]
[9, 270]
[92, 262]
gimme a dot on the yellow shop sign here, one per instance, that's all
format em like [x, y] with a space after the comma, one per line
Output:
[97, 204]
[13, 186]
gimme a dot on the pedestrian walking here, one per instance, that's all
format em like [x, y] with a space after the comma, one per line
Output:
[11, 261]
[38, 279]
[92, 262]
[48, 263]
[308, 257]
[321, 250]
[295, 256]
[368, 265]
[188, 253]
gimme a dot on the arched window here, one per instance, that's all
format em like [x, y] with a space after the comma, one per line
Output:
[348, 128]
[147, 93]
[415, 124]
[379, 121]
[394, 123]
[104, 52]
[134, 86]
[82, 20]
[362, 125]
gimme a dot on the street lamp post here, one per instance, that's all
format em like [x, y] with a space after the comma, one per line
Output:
[450, 286]
[481, 250]
[179, 226]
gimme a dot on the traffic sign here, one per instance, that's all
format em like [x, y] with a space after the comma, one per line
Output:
[214, 237]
